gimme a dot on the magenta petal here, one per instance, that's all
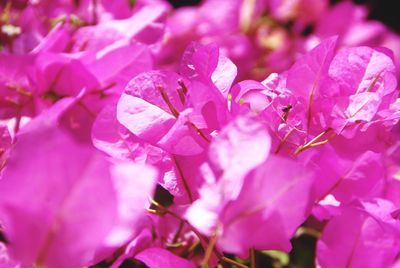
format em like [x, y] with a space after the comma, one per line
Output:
[241, 146]
[355, 69]
[5, 144]
[121, 60]
[5, 260]
[359, 239]
[274, 201]
[44, 233]
[363, 106]
[224, 74]
[349, 178]
[145, 120]
[148, 86]
[207, 64]
[366, 83]
[63, 75]
[182, 138]
[14, 70]
[305, 76]
[199, 61]
[162, 258]
[48, 200]
[251, 92]
[109, 136]
[132, 200]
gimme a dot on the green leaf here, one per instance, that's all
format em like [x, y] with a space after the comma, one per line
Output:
[281, 256]
[131, 3]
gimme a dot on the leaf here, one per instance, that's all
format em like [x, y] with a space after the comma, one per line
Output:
[282, 257]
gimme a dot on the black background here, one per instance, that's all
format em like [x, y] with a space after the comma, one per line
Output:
[387, 11]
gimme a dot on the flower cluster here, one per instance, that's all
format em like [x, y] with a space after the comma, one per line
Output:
[133, 133]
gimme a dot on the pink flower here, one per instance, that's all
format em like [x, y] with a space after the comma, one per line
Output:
[49, 200]
[365, 235]
[364, 88]
[248, 192]
[5, 145]
[183, 109]
[5, 260]
[158, 257]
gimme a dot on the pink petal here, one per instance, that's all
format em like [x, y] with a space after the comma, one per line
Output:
[50, 199]
[143, 119]
[158, 257]
[241, 146]
[356, 239]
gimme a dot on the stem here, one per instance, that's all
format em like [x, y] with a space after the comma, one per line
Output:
[181, 95]
[324, 141]
[164, 210]
[315, 141]
[19, 89]
[178, 232]
[230, 261]
[17, 124]
[167, 101]
[209, 250]
[182, 91]
[94, 12]
[373, 83]
[211, 244]
[86, 109]
[174, 111]
[282, 142]
[199, 132]
[193, 247]
[253, 261]
[9, 100]
[183, 86]
[185, 183]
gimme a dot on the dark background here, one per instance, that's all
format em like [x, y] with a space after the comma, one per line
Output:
[387, 11]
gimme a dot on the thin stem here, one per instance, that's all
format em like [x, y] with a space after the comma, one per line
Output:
[230, 261]
[166, 99]
[193, 247]
[178, 232]
[373, 83]
[283, 141]
[12, 101]
[315, 141]
[181, 95]
[152, 211]
[184, 181]
[174, 111]
[324, 141]
[183, 86]
[20, 90]
[182, 91]
[17, 124]
[164, 210]
[209, 250]
[253, 261]
[211, 244]
[84, 107]
[200, 132]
